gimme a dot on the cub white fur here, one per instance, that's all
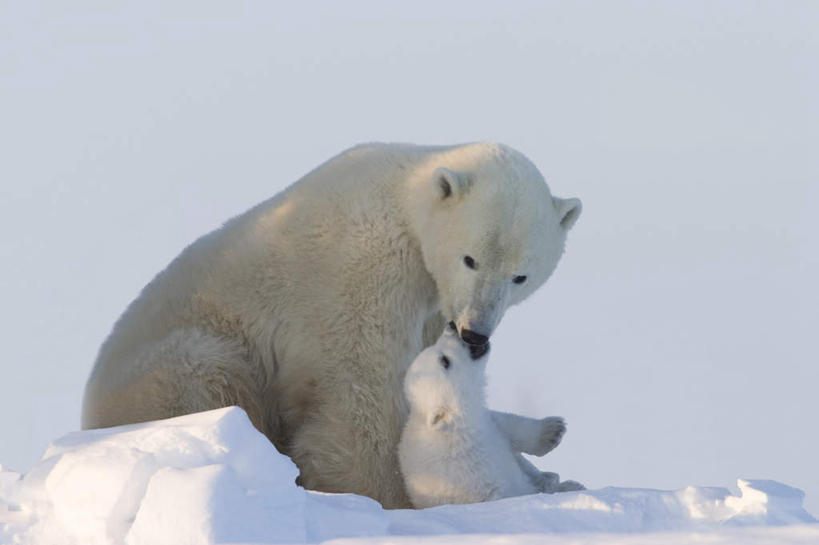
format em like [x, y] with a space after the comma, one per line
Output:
[452, 449]
[307, 310]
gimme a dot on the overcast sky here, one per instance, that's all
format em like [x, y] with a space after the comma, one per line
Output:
[678, 335]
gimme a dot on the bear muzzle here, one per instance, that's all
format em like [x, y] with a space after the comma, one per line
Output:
[473, 338]
[476, 351]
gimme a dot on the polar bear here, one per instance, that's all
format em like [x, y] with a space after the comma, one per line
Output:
[307, 309]
[453, 449]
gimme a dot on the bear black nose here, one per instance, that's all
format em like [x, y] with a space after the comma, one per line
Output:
[470, 337]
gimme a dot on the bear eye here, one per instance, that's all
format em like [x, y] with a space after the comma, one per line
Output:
[469, 262]
[519, 279]
[445, 362]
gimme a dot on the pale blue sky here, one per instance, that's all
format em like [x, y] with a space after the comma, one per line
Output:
[678, 336]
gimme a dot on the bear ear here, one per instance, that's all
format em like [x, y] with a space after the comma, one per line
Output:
[440, 419]
[449, 183]
[568, 210]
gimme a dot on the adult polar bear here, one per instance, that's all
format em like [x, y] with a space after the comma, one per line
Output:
[307, 310]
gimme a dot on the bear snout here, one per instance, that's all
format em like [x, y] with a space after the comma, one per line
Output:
[473, 338]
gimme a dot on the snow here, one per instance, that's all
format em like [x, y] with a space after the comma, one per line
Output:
[212, 478]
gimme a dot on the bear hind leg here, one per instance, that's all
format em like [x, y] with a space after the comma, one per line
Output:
[189, 371]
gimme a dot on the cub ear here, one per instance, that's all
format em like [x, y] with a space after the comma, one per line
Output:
[449, 183]
[568, 210]
[440, 419]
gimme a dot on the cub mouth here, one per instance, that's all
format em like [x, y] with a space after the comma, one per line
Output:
[477, 351]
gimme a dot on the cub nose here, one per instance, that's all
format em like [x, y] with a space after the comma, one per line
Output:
[470, 337]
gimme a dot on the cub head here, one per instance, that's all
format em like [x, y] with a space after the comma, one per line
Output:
[491, 233]
[446, 380]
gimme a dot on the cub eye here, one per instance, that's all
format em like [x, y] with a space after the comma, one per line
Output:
[445, 362]
[519, 279]
[469, 262]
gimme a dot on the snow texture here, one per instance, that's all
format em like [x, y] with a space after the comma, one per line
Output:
[212, 478]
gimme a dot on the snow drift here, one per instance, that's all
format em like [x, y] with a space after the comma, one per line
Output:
[212, 478]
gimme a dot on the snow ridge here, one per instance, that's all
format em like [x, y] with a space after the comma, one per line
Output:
[212, 478]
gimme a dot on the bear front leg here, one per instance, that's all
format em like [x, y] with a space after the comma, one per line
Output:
[350, 445]
[348, 441]
[530, 435]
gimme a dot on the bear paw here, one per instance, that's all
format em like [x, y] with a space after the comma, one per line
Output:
[552, 429]
[550, 483]
[569, 486]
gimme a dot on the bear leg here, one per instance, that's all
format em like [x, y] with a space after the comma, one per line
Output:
[350, 444]
[189, 371]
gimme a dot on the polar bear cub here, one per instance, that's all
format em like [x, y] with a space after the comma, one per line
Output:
[452, 449]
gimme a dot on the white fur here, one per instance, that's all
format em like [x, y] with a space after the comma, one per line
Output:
[307, 309]
[453, 449]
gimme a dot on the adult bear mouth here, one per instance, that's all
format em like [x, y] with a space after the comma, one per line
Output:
[476, 350]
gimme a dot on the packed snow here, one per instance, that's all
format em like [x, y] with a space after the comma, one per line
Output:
[212, 478]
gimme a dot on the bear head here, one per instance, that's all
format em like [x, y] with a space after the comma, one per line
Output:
[490, 232]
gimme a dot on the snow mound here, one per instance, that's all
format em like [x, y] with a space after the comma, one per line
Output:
[212, 478]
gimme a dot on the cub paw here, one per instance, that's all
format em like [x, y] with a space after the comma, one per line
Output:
[551, 483]
[569, 486]
[552, 429]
